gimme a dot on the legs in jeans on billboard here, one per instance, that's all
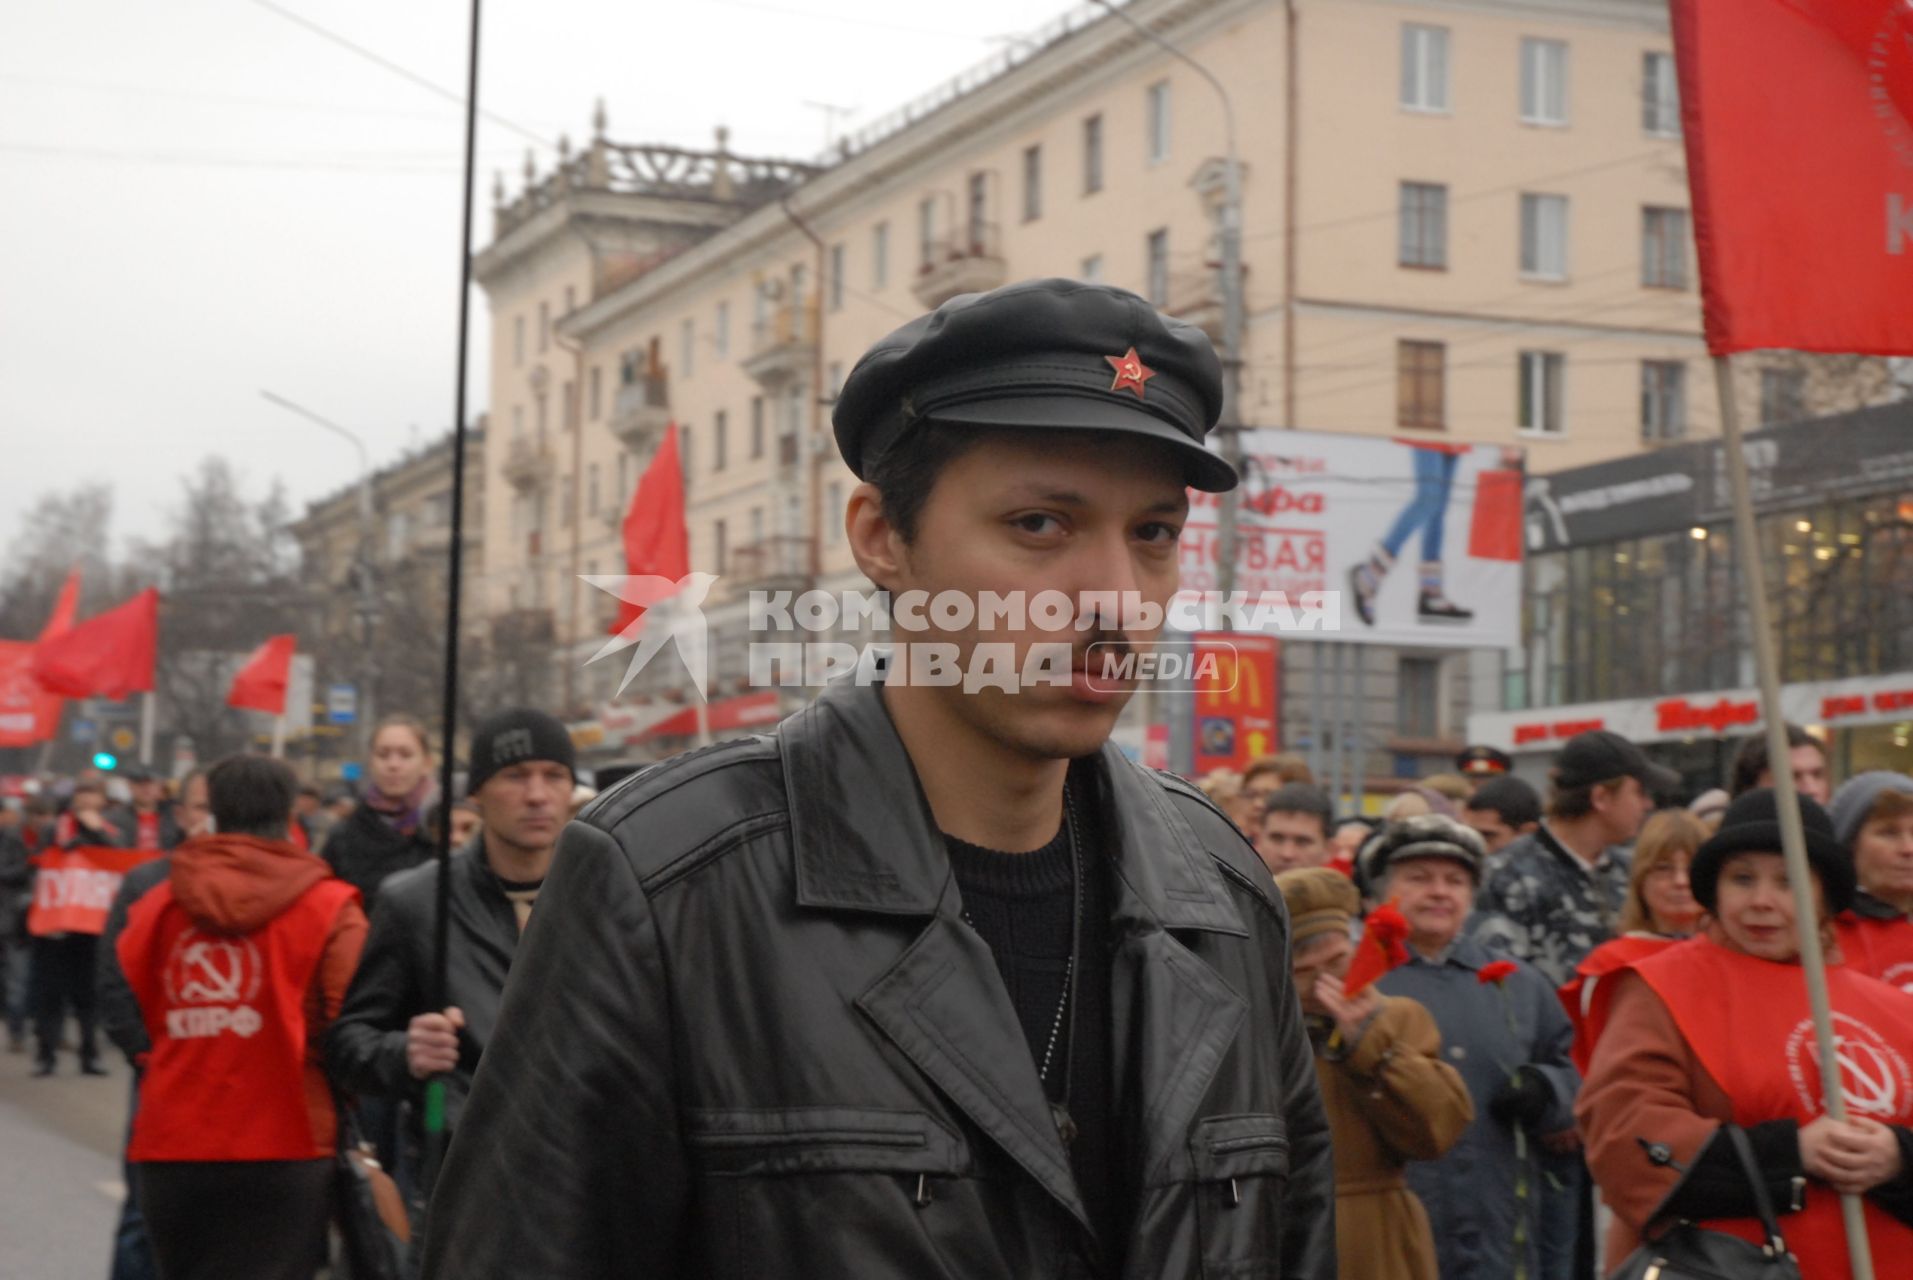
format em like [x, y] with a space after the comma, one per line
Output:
[1426, 512]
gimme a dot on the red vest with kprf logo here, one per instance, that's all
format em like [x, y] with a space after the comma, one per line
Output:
[1883, 948]
[226, 1014]
[1748, 1022]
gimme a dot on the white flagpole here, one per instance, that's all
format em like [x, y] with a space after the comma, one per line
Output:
[1793, 839]
[146, 728]
[279, 736]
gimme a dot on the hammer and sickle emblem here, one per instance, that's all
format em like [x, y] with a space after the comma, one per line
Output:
[214, 972]
[1867, 1077]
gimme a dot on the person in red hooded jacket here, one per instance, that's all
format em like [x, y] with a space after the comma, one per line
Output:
[239, 959]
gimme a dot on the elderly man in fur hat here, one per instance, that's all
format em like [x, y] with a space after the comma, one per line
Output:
[1389, 1096]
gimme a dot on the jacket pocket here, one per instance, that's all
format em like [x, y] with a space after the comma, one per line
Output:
[1241, 1166]
[797, 1191]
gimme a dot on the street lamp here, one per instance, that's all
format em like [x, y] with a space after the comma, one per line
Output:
[1231, 213]
[362, 571]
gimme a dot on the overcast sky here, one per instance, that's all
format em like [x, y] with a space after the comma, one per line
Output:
[205, 198]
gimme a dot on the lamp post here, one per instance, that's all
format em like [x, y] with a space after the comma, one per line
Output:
[362, 569]
[1230, 427]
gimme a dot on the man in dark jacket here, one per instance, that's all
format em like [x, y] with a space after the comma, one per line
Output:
[929, 981]
[391, 1037]
[147, 822]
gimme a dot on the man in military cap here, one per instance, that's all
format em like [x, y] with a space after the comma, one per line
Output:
[930, 981]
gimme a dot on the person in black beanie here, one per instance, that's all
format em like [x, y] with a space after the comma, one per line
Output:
[391, 1036]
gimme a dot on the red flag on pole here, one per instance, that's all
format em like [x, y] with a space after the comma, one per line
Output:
[108, 656]
[656, 541]
[1799, 124]
[28, 713]
[260, 685]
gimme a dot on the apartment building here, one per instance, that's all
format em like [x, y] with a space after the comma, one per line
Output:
[1461, 219]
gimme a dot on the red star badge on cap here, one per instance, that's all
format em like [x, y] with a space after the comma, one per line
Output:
[1131, 372]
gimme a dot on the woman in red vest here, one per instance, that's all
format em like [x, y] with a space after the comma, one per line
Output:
[1873, 818]
[239, 960]
[1716, 1031]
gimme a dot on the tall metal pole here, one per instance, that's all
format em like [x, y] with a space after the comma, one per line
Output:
[1793, 839]
[366, 582]
[441, 928]
[1229, 429]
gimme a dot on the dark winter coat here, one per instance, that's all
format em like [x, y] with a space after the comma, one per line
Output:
[365, 850]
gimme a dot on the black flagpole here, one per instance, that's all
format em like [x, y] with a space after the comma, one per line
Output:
[435, 1089]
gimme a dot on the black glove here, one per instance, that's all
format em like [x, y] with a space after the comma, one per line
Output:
[1523, 1099]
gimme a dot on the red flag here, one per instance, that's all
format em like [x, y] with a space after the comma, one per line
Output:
[261, 683]
[108, 656]
[1799, 124]
[28, 713]
[656, 541]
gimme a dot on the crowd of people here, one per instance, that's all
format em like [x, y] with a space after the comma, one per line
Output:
[1545, 1022]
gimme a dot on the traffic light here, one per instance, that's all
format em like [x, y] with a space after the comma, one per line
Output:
[105, 760]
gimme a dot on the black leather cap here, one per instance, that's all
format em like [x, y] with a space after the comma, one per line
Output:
[1040, 355]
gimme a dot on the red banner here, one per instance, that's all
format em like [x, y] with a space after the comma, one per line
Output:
[75, 887]
[28, 713]
[1799, 123]
[1236, 699]
[108, 656]
[260, 685]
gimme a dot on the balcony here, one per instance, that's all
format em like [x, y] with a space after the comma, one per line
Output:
[1196, 297]
[641, 411]
[970, 261]
[774, 564]
[783, 346]
[528, 465]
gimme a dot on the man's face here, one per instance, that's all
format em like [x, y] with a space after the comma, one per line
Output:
[464, 827]
[88, 801]
[146, 794]
[1053, 513]
[1492, 828]
[1288, 839]
[304, 806]
[194, 814]
[1327, 953]
[1809, 775]
[1623, 806]
[525, 805]
[1435, 896]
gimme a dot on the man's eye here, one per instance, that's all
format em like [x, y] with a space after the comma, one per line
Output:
[1160, 532]
[1038, 522]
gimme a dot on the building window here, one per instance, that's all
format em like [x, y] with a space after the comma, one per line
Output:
[570, 403]
[1544, 237]
[1157, 277]
[1032, 183]
[594, 391]
[1156, 112]
[1660, 96]
[518, 422]
[978, 221]
[1092, 155]
[1424, 67]
[1783, 396]
[568, 497]
[835, 287]
[880, 255]
[1544, 81]
[685, 464]
[624, 476]
[1092, 272]
[1664, 248]
[757, 426]
[1663, 400]
[1540, 393]
[1418, 698]
[926, 233]
[1420, 375]
[717, 546]
[757, 526]
[1424, 229]
[721, 331]
[591, 490]
[544, 327]
[720, 432]
[518, 340]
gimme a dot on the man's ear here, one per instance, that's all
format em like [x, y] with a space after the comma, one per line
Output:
[874, 541]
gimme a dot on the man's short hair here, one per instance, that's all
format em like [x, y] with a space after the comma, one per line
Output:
[1287, 767]
[1301, 797]
[251, 796]
[1750, 761]
[85, 785]
[1509, 798]
[905, 475]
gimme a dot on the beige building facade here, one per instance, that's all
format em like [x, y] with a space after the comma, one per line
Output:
[1461, 219]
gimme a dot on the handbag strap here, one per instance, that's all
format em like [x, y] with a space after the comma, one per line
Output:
[1763, 1203]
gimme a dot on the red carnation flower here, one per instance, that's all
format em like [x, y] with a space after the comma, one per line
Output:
[1496, 971]
[1383, 947]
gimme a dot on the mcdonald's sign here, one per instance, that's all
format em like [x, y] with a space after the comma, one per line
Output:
[1236, 699]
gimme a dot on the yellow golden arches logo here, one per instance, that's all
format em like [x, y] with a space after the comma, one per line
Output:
[1236, 682]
